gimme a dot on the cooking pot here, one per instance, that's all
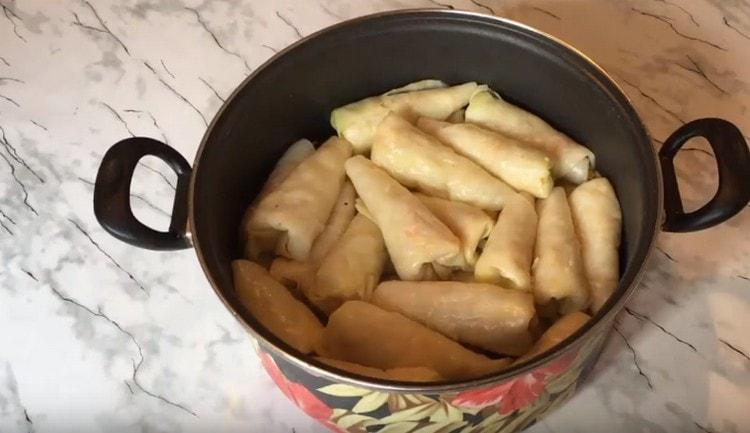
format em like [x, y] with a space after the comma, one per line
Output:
[291, 96]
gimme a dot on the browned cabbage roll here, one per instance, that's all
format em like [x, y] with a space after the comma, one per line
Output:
[563, 328]
[402, 374]
[414, 237]
[292, 215]
[297, 152]
[520, 165]
[274, 307]
[598, 221]
[420, 161]
[559, 276]
[469, 223]
[352, 269]
[368, 335]
[571, 160]
[483, 315]
[357, 121]
[507, 254]
[293, 273]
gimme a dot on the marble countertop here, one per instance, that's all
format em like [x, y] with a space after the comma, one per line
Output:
[96, 335]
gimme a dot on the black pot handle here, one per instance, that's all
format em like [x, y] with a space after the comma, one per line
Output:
[112, 195]
[733, 161]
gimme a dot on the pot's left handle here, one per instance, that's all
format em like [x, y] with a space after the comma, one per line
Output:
[112, 195]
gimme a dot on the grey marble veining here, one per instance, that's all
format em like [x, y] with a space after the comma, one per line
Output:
[98, 336]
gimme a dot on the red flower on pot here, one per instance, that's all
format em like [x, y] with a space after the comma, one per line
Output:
[298, 394]
[515, 393]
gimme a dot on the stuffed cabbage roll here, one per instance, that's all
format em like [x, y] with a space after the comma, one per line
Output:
[293, 215]
[521, 166]
[357, 121]
[434, 271]
[571, 160]
[414, 237]
[274, 307]
[559, 276]
[352, 269]
[368, 335]
[469, 223]
[403, 374]
[598, 222]
[297, 152]
[435, 103]
[483, 315]
[507, 254]
[563, 328]
[420, 161]
[301, 275]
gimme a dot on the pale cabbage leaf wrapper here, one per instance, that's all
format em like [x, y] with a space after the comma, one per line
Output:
[524, 167]
[508, 253]
[301, 275]
[353, 267]
[571, 160]
[294, 155]
[418, 160]
[294, 213]
[559, 276]
[598, 221]
[468, 223]
[414, 237]
[358, 121]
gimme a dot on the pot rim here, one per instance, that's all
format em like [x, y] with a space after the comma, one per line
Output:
[596, 324]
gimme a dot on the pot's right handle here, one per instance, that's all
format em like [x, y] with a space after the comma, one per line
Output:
[112, 195]
[733, 162]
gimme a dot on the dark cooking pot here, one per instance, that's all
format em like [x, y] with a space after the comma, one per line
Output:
[292, 95]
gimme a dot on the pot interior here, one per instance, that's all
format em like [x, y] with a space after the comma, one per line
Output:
[292, 96]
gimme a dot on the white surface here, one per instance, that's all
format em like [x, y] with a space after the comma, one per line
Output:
[99, 336]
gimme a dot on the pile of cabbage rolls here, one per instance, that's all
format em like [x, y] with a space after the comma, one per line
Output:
[444, 234]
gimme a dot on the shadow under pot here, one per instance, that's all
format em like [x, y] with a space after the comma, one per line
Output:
[292, 95]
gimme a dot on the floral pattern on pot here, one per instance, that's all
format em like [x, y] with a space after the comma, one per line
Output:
[299, 394]
[516, 393]
[506, 407]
